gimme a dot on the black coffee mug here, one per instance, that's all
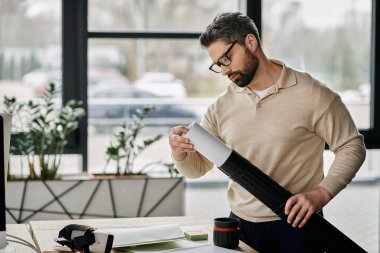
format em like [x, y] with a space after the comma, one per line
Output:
[226, 232]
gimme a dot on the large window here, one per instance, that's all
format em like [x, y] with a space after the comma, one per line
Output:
[31, 56]
[156, 15]
[148, 53]
[332, 41]
[30, 46]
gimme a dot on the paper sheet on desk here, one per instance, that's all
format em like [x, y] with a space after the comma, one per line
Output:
[144, 235]
[178, 246]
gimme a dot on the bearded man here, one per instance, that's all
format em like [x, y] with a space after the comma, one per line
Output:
[279, 119]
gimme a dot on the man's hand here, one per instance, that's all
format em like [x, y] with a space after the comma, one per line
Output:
[179, 144]
[302, 206]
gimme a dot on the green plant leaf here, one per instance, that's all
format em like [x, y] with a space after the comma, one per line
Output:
[43, 129]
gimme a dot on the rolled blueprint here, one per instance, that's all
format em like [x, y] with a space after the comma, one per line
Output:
[264, 188]
[206, 144]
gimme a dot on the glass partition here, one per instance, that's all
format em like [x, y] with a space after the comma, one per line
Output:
[329, 40]
[155, 15]
[30, 46]
[125, 75]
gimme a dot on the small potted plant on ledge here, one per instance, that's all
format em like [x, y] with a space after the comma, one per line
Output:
[127, 144]
[124, 148]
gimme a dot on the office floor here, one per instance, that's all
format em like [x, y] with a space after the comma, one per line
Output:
[354, 211]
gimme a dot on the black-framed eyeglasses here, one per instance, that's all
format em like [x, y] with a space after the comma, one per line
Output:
[224, 60]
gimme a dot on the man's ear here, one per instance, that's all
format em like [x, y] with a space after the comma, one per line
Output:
[251, 42]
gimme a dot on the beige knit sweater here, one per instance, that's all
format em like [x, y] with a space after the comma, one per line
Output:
[283, 133]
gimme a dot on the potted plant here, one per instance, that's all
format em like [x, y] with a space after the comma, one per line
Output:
[39, 131]
[93, 197]
[127, 144]
[124, 147]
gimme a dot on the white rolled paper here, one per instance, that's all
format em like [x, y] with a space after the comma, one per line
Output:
[124, 237]
[208, 145]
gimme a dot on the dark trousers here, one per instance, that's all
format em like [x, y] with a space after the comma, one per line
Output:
[274, 237]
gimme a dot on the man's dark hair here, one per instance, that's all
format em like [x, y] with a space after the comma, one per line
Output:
[228, 27]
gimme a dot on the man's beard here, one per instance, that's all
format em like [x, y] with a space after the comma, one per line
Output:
[246, 75]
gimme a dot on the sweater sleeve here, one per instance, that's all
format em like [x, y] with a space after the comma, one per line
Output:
[338, 129]
[196, 165]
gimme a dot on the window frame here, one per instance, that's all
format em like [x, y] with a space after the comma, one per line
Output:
[372, 135]
[74, 70]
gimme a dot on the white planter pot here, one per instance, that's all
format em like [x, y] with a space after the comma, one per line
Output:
[95, 198]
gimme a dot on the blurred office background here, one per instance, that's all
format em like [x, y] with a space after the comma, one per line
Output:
[121, 54]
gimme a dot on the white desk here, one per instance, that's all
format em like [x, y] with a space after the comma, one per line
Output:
[19, 240]
[44, 232]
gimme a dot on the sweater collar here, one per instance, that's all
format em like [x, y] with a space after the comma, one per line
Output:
[286, 80]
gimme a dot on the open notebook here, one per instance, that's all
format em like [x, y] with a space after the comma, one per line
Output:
[163, 238]
[145, 235]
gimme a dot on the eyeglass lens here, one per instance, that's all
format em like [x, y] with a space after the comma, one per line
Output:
[224, 60]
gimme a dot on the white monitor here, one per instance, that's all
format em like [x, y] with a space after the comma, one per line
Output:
[5, 137]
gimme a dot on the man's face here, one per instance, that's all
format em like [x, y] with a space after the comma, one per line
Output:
[243, 64]
[245, 76]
